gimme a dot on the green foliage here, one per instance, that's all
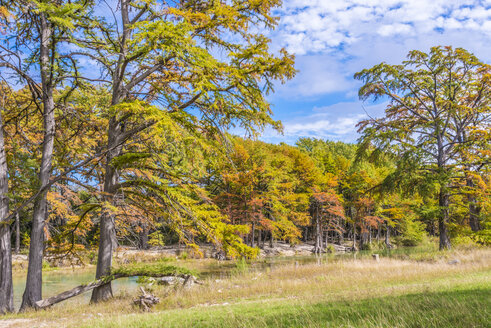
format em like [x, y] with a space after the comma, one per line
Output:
[155, 269]
[412, 232]
[483, 236]
[156, 238]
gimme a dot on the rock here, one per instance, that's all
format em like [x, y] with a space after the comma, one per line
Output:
[187, 281]
[170, 280]
[454, 262]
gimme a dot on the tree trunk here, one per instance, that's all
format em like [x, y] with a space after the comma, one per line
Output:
[354, 236]
[17, 233]
[144, 237]
[387, 234]
[473, 207]
[340, 238]
[6, 288]
[253, 232]
[442, 220]
[363, 236]
[107, 239]
[33, 291]
[318, 234]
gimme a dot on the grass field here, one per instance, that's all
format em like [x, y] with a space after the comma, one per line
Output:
[429, 292]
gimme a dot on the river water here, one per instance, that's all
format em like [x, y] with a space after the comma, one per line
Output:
[55, 282]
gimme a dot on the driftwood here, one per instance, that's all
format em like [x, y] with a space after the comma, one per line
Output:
[145, 301]
[42, 304]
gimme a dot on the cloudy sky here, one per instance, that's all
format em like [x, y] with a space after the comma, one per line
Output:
[333, 39]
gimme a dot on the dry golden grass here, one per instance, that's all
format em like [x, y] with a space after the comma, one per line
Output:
[347, 279]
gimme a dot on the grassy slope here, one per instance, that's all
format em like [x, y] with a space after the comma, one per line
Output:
[349, 293]
[457, 308]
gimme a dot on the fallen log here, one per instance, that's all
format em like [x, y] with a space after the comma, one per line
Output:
[156, 271]
[146, 301]
[47, 302]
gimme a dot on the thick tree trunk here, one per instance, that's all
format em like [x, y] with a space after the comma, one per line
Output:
[144, 237]
[33, 292]
[442, 221]
[107, 239]
[17, 233]
[6, 289]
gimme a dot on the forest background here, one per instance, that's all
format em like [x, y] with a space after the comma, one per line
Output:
[116, 132]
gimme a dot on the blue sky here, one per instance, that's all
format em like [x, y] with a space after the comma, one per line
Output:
[333, 39]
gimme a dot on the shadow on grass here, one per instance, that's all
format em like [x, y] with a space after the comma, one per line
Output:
[458, 308]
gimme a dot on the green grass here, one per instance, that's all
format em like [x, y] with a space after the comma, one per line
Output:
[457, 308]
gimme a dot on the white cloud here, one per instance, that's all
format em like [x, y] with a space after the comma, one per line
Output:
[313, 26]
[335, 122]
[333, 39]
[392, 29]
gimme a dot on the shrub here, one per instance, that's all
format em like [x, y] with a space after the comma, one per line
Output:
[412, 232]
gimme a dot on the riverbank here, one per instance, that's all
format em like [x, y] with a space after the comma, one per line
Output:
[453, 290]
[125, 255]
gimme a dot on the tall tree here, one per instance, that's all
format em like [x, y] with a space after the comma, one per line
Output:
[431, 97]
[39, 29]
[6, 287]
[199, 62]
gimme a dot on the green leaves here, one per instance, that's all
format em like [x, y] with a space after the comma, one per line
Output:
[435, 100]
[62, 15]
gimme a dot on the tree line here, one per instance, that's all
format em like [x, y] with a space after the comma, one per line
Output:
[113, 131]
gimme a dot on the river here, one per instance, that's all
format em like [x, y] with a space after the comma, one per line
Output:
[57, 281]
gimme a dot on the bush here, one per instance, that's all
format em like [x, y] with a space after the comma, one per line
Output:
[412, 232]
[156, 238]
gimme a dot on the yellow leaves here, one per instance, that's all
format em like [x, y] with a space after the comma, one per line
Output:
[193, 17]
[5, 17]
[4, 13]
